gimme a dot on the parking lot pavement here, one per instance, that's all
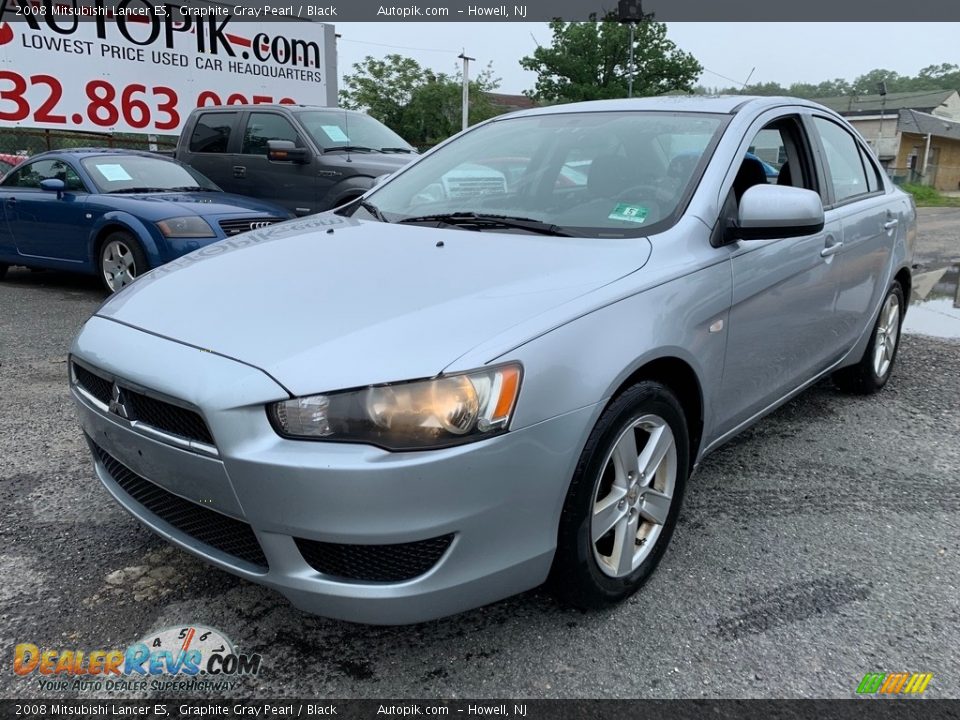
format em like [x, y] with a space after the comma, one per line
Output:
[818, 546]
[938, 237]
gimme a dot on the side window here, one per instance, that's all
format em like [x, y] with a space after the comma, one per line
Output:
[873, 175]
[773, 157]
[263, 127]
[212, 132]
[31, 174]
[844, 162]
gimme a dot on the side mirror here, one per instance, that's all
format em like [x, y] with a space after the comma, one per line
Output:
[53, 185]
[770, 212]
[286, 151]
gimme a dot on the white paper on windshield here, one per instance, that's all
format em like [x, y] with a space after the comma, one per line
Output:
[114, 173]
[335, 133]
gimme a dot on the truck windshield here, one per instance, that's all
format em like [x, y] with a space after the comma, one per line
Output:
[336, 129]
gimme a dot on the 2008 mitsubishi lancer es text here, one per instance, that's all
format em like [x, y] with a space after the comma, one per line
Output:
[501, 365]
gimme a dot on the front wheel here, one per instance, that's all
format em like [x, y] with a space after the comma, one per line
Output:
[121, 261]
[872, 372]
[624, 499]
[3, 270]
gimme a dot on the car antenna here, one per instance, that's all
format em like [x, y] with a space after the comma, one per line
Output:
[346, 128]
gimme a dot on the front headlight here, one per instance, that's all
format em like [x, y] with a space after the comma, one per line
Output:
[190, 226]
[417, 415]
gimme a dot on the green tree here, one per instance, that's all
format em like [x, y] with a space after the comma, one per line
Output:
[588, 61]
[422, 106]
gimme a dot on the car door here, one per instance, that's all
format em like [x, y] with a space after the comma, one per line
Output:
[212, 147]
[287, 183]
[868, 218]
[45, 224]
[782, 324]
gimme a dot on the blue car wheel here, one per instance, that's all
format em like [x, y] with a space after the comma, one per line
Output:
[121, 261]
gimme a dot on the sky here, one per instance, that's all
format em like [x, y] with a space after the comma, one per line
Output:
[774, 52]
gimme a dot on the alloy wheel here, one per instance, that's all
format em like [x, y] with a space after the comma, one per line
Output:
[118, 265]
[634, 495]
[885, 341]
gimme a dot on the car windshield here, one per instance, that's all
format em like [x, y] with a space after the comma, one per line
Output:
[596, 174]
[335, 129]
[142, 173]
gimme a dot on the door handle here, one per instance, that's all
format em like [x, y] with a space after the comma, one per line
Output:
[11, 201]
[831, 249]
[239, 171]
[891, 224]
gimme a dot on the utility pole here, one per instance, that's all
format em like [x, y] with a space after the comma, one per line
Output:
[882, 89]
[465, 122]
[630, 12]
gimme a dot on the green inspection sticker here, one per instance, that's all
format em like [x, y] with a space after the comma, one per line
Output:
[629, 213]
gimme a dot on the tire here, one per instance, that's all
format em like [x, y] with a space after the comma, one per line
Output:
[120, 261]
[3, 270]
[874, 369]
[588, 574]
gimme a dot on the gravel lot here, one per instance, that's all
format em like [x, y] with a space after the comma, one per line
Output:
[818, 546]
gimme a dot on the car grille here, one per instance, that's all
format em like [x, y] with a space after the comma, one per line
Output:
[242, 225]
[169, 418]
[223, 533]
[375, 563]
[97, 386]
[162, 415]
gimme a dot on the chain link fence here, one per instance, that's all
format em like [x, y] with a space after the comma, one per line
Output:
[24, 142]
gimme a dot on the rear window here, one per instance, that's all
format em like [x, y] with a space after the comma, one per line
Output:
[212, 132]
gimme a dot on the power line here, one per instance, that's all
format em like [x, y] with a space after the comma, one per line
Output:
[398, 47]
[738, 82]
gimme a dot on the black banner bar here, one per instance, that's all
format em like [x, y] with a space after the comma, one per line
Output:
[855, 709]
[64, 12]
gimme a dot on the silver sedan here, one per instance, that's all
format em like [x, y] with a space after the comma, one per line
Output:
[501, 365]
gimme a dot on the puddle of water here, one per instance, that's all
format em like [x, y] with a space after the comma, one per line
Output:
[935, 304]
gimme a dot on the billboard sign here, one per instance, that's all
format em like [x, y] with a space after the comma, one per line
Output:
[142, 67]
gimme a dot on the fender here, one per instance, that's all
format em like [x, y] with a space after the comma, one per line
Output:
[148, 238]
[346, 189]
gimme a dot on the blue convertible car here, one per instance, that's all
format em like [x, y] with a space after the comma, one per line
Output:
[115, 213]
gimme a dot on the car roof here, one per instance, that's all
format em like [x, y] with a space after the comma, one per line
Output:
[90, 152]
[274, 106]
[724, 104]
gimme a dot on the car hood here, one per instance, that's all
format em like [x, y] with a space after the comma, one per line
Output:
[171, 204]
[364, 163]
[326, 303]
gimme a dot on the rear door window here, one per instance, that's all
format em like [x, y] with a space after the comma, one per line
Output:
[212, 132]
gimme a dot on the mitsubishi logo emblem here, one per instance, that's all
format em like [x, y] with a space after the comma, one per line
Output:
[118, 403]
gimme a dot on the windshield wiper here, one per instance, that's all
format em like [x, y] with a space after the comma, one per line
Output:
[395, 150]
[373, 210]
[483, 220]
[348, 148]
[193, 188]
[137, 190]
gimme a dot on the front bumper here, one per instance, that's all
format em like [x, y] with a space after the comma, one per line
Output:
[498, 501]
